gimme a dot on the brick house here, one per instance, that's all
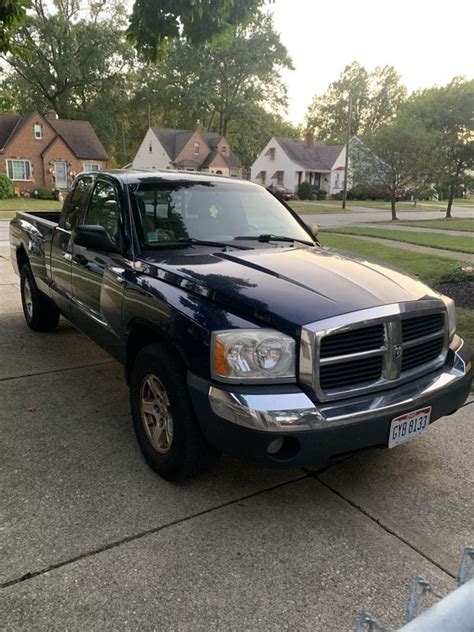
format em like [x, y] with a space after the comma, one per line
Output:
[37, 151]
[193, 150]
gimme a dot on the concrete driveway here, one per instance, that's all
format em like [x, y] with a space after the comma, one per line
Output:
[93, 540]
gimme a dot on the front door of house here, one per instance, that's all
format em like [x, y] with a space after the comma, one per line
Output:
[60, 171]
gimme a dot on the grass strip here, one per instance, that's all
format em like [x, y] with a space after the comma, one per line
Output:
[433, 240]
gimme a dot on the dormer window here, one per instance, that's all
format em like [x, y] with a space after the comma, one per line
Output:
[196, 149]
[38, 131]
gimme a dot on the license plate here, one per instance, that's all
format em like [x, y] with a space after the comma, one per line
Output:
[408, 426]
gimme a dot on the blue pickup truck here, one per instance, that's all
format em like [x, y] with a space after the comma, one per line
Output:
[238, 332]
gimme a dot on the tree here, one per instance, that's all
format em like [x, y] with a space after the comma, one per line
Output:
[397, 157]
[154, 24]
[66, 59]
[217, 83]
[376, 98]
[447, 111]
[233, 86]
[12, 15]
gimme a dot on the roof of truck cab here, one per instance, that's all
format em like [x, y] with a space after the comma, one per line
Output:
[144, 176]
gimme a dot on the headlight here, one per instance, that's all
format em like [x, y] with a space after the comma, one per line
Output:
[450, 306]
[258, 355]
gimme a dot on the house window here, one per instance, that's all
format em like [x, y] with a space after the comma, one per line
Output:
[223, 149]
[271, 153]
[91, 166]
[19, 169]
[196, 149]
[38, 131]
[150, 148]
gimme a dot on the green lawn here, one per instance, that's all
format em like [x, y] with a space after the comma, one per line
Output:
[465, 326]
[430, 269]
[434, 240]
[9, 207]
[443, 224]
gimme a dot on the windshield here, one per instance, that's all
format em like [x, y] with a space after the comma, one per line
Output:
[171, 212]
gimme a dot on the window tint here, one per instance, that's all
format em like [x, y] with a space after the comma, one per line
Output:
[77, 202]
[104, 209]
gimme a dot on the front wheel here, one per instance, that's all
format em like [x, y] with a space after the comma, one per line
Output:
[163, 417]
[41, 314]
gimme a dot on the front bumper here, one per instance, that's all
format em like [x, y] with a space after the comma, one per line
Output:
[245, 421]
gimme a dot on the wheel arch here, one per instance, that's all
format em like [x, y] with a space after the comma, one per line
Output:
[21, 257]
[141, 334]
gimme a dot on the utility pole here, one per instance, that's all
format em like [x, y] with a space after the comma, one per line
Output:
[346, 164]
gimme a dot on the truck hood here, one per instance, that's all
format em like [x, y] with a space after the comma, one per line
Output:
[288, 287]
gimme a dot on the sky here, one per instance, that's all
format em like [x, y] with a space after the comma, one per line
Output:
[428, 41]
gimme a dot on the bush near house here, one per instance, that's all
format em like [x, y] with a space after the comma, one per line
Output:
[6, 187]
[43, 193]
[304, 191]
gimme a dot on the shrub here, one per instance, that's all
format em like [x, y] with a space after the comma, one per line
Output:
[6, 187]
[322, 195]
[304, 191]
[43, 193]
[338, 196]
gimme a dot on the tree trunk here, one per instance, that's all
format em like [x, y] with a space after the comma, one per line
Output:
[450, 202]
[393, 201]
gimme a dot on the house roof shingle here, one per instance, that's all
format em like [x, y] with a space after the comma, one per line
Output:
[81, 138]
[319, 157]
[8, 122]
[78, 135]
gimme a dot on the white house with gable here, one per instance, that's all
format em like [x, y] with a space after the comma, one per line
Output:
[193, 150]
[288, 162]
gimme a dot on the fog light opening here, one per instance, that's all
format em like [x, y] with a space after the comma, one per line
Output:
[275, 446]
[283, 448]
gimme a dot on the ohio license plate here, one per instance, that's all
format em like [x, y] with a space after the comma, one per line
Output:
[408, 426]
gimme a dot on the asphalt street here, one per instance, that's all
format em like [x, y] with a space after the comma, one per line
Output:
[92, 539]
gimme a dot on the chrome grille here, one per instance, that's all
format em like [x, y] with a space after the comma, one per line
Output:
[373, 349]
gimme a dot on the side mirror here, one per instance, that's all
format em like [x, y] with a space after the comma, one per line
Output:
[94, 237]
[314, 230]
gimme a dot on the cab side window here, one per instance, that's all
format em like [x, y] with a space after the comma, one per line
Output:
[104, 209]
[76, 203]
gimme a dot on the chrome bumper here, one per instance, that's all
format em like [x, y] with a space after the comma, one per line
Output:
[294, 411]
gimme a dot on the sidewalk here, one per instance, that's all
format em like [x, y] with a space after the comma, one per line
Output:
[418, 229]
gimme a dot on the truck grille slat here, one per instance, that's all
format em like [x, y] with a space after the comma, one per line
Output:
[353, 341]
[421, 326]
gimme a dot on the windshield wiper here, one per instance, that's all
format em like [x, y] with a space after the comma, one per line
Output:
[191, 241]
[266, 238]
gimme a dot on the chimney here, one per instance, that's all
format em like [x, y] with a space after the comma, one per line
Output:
[309, 139]
[199, 127]
[52, 115]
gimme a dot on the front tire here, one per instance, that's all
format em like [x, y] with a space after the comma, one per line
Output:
[166, 427]
[41, 314]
